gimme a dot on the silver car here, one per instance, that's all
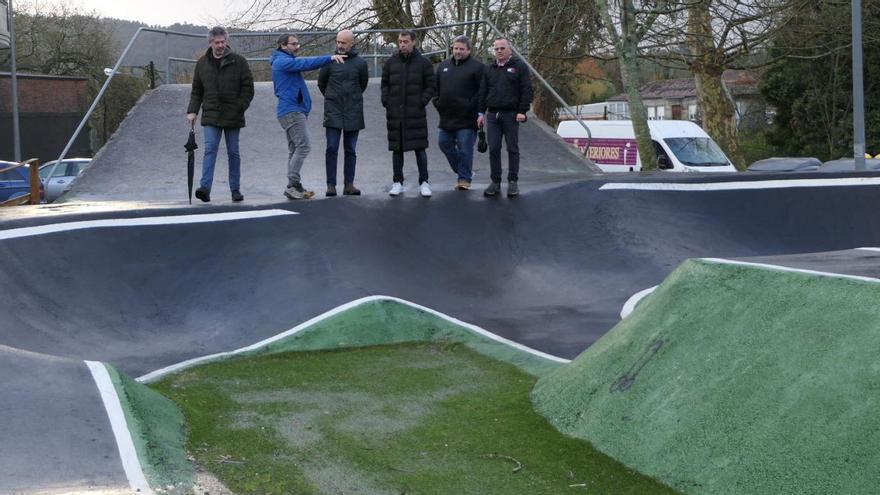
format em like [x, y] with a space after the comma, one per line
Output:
[58, 177]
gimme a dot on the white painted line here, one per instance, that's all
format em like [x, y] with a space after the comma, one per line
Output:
[789, 269]
[631, 303]
[138, 222]
[868, 249]
[127, 452]
[155, 375]
[740, 185]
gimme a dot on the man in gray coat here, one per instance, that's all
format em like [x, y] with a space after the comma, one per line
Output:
[342, 86]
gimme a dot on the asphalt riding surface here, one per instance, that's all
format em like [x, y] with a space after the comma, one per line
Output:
[145, 159]
[550, 269]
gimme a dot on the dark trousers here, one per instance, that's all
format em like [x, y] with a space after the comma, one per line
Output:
[332, 154]
[421, 162]
[504, 124]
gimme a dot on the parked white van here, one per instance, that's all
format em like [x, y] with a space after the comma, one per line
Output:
[680, 145]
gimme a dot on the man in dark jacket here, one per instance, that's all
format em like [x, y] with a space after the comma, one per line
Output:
[294, 105]
[343, 86]
[223, 88]
[458, 93]
[407, 88]
[505, 97]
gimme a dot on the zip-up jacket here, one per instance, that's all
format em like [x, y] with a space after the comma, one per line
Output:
[290, 86]
[506, 88]
[458, 93]
[223, 94]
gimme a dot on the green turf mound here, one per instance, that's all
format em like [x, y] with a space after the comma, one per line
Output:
[383, 321]
[734, 379]
[158, 432]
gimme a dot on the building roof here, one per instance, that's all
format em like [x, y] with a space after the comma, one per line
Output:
[739, 82]
[26, 75]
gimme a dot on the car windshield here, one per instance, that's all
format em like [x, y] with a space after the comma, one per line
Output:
[697, 151]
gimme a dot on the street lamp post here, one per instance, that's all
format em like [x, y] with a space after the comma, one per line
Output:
[858, 87]
[16, 137]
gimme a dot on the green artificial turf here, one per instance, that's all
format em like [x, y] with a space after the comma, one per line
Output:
[736, 380]
[410, 418]
[158, 433]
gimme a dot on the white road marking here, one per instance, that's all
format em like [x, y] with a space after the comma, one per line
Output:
[155, 375]
[782, 268]
[631, 303]
[740, 185]
[138, 222]
[127, 452]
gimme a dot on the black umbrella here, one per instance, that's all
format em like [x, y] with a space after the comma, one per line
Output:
[191, 148]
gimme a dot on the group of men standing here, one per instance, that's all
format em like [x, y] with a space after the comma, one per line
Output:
[467, 94]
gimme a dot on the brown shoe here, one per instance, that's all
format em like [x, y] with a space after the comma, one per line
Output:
[463, 185]
[331, 191]
[350, 190]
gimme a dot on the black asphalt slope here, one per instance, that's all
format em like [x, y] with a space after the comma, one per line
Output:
[54, 432]
[145, 159]
[550, 269]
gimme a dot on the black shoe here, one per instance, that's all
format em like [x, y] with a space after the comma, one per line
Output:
[493, 190]
[350, 190]
[512, 189]
[203, 194]
[236, 196]
[331, 191]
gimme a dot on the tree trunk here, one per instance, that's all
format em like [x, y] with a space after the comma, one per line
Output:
[627, 50]
[718, 109]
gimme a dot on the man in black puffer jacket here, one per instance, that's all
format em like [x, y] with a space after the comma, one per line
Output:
[342, 86]
[222, 88]
[505, 97]
[407, 88]
[457, 99]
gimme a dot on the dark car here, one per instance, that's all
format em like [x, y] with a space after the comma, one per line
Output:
[849, 165]
[786, 164]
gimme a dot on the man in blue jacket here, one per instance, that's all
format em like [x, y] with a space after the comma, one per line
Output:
[294, 105]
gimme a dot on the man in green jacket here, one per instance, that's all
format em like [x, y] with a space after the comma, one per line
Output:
[223, 88]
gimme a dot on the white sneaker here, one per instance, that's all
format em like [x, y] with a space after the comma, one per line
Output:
[396, 189]
[425, 190]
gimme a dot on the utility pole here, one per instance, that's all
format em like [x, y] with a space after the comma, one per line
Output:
[858, 87]
[16, 136]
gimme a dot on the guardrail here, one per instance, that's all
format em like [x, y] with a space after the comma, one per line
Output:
[375, 34]
[33, 196]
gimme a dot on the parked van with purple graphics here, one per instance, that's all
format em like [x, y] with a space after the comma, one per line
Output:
[680, 145]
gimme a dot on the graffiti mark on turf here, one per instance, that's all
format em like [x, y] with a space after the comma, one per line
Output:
[626, 380]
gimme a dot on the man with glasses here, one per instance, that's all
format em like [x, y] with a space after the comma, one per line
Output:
[222, 88]
[343, 87]
[294, 105]
[505, 97]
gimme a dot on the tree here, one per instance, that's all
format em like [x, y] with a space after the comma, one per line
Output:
[811, 86]
[626, 32]
[56, 39]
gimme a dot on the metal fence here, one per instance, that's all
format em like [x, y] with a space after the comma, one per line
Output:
[438, 45]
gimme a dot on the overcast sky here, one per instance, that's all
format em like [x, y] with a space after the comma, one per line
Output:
[163, 12]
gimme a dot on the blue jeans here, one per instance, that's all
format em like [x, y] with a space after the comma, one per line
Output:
[212, 144]
[332, 153]
[458, 146]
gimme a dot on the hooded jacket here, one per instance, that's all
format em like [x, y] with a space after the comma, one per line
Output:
[223, 94]
[343, 86]
[458, 93]
[407, 88]
[290, 86]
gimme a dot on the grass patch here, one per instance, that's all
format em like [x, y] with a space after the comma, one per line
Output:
[411, 418]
